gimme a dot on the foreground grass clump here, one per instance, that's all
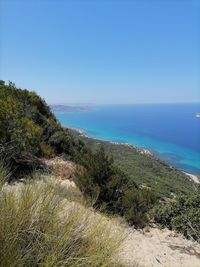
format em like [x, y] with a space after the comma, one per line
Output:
[40, 228]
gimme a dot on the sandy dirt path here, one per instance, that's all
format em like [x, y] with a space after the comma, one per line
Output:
[159, 248]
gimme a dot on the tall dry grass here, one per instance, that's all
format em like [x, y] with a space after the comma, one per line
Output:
[38, 227]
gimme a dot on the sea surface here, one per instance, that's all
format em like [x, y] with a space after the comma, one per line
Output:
[170, 131]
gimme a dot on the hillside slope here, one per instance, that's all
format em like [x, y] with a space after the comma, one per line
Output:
[29, 132]
[106, 173]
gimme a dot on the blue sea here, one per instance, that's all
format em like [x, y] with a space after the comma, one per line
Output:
[170, 131]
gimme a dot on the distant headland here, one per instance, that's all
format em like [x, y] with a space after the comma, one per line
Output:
[62, 108]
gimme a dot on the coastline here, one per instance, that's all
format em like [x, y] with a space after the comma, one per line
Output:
[192, 177]
[83, 133]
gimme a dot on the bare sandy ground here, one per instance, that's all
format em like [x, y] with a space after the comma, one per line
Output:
[159, 248]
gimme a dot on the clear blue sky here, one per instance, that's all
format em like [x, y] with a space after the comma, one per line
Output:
[103, 51]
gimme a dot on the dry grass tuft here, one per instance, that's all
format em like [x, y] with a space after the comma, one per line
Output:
[39, 227]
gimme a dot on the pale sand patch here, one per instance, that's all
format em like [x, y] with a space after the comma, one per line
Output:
[157, 248]
[193, 177]
[64, 169]
[64, 172]
[145, 152]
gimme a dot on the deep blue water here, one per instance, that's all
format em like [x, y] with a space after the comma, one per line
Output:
[171, 131]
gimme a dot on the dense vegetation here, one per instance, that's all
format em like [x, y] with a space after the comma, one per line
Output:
[113, 191]
[182, 214]
[29, 131]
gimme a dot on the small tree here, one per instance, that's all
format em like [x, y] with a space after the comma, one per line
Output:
[2, 83]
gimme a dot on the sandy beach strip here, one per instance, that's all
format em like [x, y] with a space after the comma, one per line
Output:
[193, 177]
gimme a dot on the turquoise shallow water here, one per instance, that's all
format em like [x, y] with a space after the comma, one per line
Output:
[171, 131]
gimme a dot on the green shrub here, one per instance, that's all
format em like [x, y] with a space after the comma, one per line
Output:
[181, 214]
[61, 141]
[47, 151]
[23, 121]
[137, 204]
[112, 191]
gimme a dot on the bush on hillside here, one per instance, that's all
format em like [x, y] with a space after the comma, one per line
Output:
[137, 204]
[111, 190]
[182, 215]
[24, 118]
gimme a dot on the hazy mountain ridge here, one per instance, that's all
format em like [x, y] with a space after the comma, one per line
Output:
[71, 108]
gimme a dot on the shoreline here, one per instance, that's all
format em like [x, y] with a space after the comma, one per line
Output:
[83, 133]
[192, 177]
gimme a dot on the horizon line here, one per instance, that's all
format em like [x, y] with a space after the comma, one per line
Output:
[142, 103]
